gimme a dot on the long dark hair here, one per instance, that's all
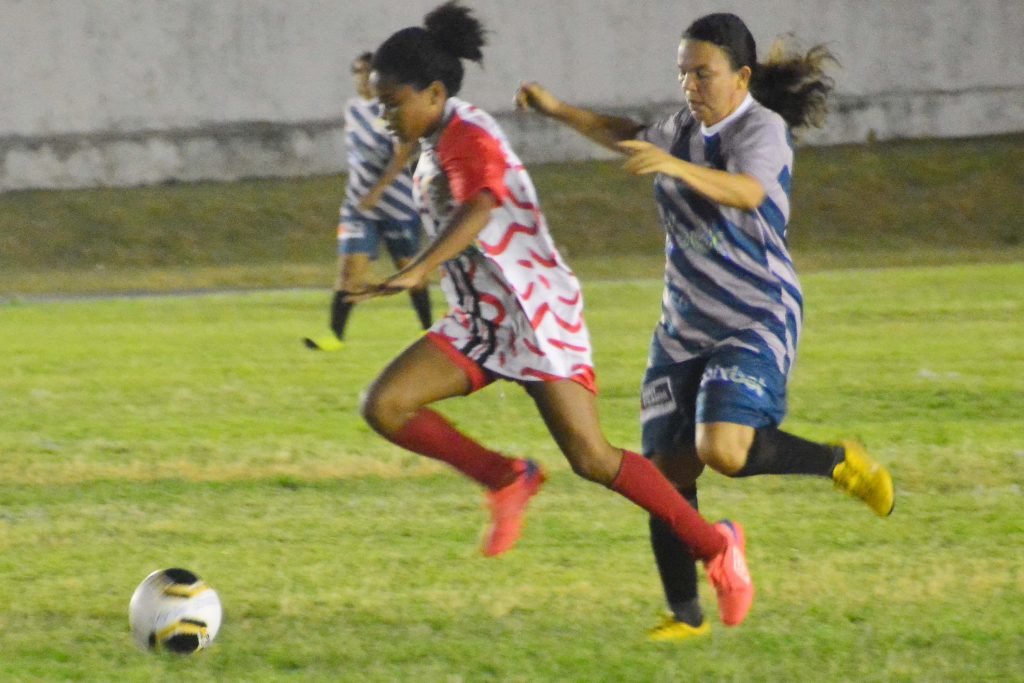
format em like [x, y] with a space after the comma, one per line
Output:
[418, 56]
[794, 85]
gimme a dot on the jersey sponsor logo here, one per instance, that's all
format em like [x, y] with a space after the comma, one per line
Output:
[703, 239]
[734, 375]
[656, 399]
[351, 230]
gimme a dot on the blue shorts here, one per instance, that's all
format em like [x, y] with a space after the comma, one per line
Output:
[363, 236]
[729, 385]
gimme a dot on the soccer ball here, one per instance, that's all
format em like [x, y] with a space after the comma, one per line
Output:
[173, 610]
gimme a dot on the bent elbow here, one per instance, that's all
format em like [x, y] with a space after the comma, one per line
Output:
[751, 194]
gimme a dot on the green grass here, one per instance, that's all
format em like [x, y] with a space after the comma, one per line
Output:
[150, 432]
[901, 203]
[138, 433]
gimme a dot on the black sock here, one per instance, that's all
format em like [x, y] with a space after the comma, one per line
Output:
[339, 313]
[421, 302]
[776, 452]
[677, 568]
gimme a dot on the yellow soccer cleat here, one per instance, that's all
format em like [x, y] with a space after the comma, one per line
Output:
[672, 630]
[328, 342]
[860, 476]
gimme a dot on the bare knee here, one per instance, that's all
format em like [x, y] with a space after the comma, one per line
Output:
[384, 409]
[724, 451]
[598, 463]
[372, 409]
[570, 413]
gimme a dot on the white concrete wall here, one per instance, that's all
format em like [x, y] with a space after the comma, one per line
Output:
[122, 92]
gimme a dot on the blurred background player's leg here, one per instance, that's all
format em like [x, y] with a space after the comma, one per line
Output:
[402, 239]
[357, 245]
[420, 297]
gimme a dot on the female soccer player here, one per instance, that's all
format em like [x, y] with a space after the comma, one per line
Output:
[714, 391]
[516, 310]
[378, 205]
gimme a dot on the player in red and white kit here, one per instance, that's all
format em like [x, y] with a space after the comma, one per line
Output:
[516, 310]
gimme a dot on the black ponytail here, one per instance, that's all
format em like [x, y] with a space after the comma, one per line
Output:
[794, 85]
[455, 30]
[418, 56]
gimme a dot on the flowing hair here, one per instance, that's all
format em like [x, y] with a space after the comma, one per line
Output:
[794, 85]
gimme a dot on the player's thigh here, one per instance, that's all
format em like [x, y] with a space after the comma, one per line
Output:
[743, 387]
[570, 412]
[741, 390]
[418, 376]
[668, 399]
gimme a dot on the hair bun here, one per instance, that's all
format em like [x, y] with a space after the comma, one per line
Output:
[455, 30]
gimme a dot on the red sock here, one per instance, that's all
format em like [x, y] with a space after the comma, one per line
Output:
[429, 434]
[644, 484]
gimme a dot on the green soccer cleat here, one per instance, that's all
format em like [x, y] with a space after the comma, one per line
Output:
[328, 342]
[672, 630]
[860, 476]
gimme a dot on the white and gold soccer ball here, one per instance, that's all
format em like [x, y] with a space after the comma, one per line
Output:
[173, 610]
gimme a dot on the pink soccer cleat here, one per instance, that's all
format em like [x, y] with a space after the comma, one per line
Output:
[729, 575]
[508, 506]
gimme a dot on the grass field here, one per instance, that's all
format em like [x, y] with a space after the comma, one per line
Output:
[139, 433]
[145, 432]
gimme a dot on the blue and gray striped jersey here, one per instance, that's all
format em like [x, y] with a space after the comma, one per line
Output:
[729, 278]
[370, 147]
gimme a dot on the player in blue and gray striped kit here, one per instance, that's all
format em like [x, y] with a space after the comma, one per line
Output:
[378, 206]
[714, 391]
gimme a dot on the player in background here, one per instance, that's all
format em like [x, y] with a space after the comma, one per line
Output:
[378, 205]
[714, 391]
[516, 310]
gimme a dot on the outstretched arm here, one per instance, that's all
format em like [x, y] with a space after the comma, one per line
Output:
[466, 223]
[604, 130]
[738, 190]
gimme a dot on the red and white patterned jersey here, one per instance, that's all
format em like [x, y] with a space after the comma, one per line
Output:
[516, 307]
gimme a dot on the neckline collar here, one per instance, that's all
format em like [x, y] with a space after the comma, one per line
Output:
[715, 129]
